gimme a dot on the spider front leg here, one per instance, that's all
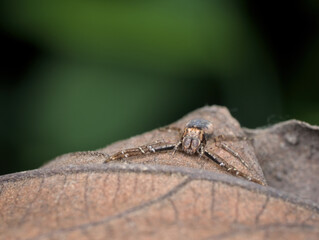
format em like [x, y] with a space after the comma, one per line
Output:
[229, 168]
[201, 151]
[142, 150]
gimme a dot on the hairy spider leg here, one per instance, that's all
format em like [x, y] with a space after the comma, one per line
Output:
[139, 151]
[228, 138]
[218, 160]
[235, 154]
[177, 145]
[223, 138]
[171, 129]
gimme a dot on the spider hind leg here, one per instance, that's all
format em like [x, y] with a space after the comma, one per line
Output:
[235, 154]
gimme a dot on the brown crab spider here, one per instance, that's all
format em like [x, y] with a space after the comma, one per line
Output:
[192, 142]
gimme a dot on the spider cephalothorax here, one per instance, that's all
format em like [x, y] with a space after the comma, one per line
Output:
[193, 139]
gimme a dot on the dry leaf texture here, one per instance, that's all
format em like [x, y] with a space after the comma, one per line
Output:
[165, 196]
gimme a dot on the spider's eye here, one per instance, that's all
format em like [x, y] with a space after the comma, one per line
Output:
[195, 144]
[187, 142]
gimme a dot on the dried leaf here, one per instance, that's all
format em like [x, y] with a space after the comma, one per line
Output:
[161, 196]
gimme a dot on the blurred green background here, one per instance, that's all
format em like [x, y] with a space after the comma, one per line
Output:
[79, 75]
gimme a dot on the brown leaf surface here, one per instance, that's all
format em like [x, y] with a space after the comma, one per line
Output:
[289, 155]
[160, 196]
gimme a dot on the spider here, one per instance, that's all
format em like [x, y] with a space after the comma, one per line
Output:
[192, 142]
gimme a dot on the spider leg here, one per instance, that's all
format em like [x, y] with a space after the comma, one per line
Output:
[142, 150]
[229, 168]
[201, 151]
[235, 154]
[229, 138]
[176, 147]
[170, 129]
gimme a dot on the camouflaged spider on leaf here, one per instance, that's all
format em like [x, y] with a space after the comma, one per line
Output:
[192, 142]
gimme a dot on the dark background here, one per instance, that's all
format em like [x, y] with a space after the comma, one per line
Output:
[78, 75]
